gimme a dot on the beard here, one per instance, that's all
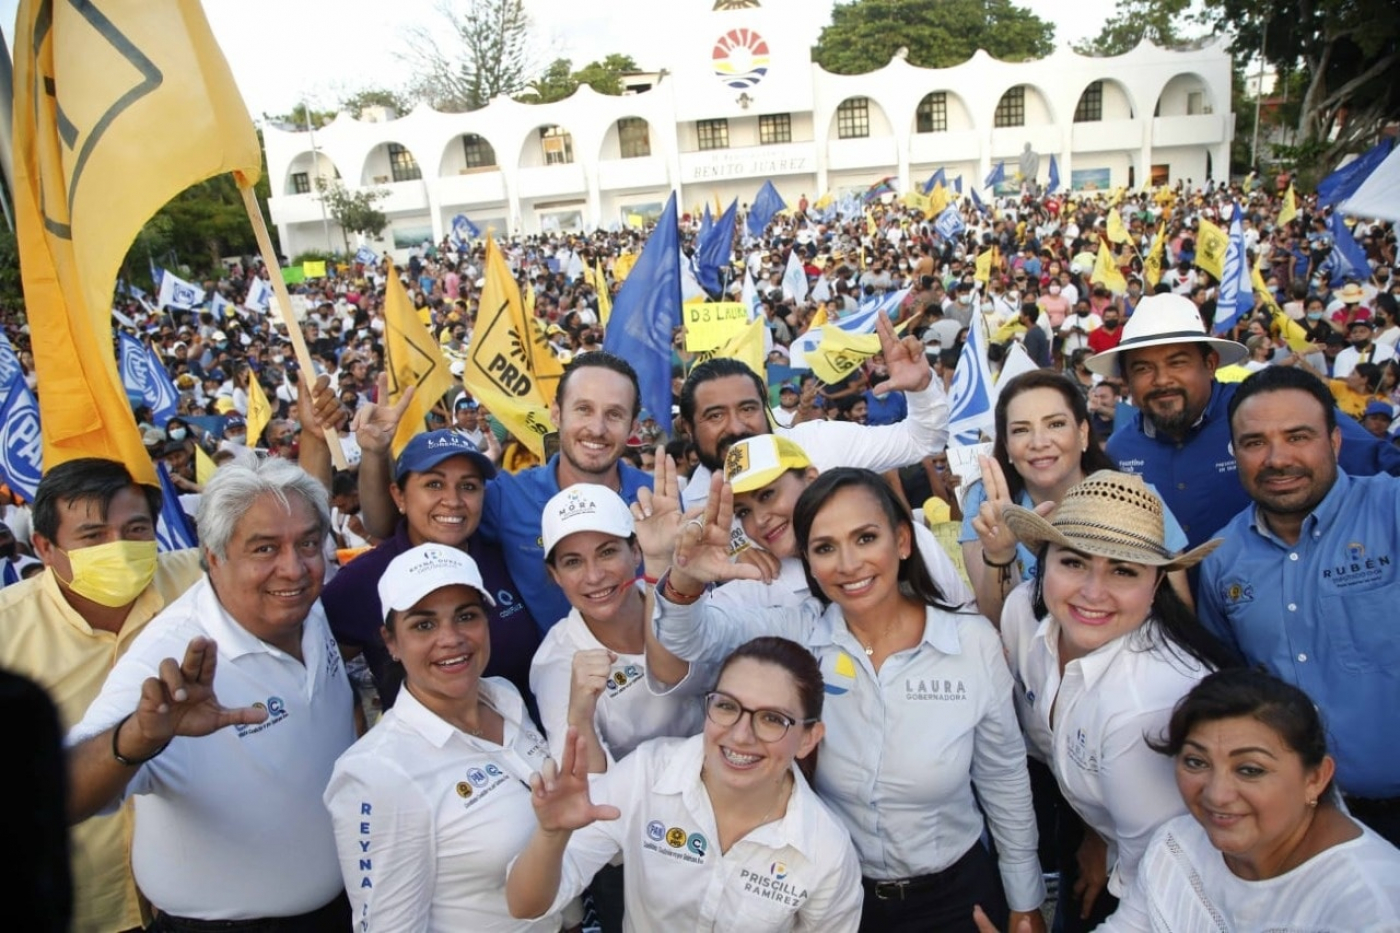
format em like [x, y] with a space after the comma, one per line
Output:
[714, 460]
[1173, 423]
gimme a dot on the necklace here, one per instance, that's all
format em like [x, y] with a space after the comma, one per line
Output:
[782, 789]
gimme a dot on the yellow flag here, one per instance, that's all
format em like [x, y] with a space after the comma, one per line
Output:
[412, 358]
[823, 202]
[529, 296]
[259, 411]
[937, 200]
[600, 280]
[745, 346]
[116, 112]
[1152, 265]
[1211, 243]
[870, 227]
[1106, 272]
[914, 200]
[511, 369]
[984, 265]
[819, 318]
[840, 352]
[1289, 210]
[203, 467]
[636, 221]
[1116, 231]
[1280, 323]
[622, 266]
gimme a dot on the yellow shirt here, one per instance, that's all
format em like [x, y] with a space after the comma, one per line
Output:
[44, 638]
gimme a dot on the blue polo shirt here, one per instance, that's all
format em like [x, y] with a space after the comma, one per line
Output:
[892, 409]
[511, 518]
[1322, 614]
[1197, 478]
[351, 601]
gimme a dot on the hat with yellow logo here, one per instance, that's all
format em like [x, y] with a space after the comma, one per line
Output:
[757, 461]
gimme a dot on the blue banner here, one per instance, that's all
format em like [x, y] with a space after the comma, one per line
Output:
[21, 442]
[174, 531]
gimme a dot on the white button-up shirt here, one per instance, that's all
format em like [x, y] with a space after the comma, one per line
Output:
[903, 745]
[229, 826]
[1104, 706]
[796, 873]
[628, 713]
[427, 818]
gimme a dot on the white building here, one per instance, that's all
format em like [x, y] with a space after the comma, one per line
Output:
[741, 102]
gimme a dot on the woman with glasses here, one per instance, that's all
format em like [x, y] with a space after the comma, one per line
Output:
[719, 831]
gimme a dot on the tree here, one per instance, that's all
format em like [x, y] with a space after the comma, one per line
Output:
[375, 97]
[865, 34]
[1160, 21]
[559, 81]
[300, 114]
[475, 55]
[353, 210]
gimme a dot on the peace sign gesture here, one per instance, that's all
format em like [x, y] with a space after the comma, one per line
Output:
[657, 516]
[701, 554]
[908, 367]
[375, 425]
[998, 543]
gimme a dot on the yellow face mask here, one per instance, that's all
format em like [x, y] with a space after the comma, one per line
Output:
[112, 574]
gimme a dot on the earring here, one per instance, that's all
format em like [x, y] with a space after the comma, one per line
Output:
[1312, 802]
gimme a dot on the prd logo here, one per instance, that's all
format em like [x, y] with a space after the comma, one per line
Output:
[740, 58]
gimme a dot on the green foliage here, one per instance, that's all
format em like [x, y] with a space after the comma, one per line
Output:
[317, 255]
[375, 97]
[300, 114]
[472, 55]
[11, 288]
[559, 80]
[1164, 22]
[865, 34]
[353, 210]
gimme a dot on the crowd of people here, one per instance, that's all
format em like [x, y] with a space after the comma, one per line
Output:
[790, 665]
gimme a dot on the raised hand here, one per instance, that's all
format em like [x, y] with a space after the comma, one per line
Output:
[591, 669]
[375, 425]
[702, 548]
[181, 701]
[658, 517]
[317, 406]
[908, 367]
[998, 543]
[560, 794]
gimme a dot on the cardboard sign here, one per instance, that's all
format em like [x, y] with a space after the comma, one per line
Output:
[711, 325]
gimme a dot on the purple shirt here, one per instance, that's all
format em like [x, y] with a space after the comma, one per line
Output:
[351, 601]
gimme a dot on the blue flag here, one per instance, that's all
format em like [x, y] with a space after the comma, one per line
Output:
[156, 273]
[1054, 175]
[21, 442]
[971, 409]
[1348, 258]
[949, 224]
[714, 249]
[996, 177]
[646, 310]
[977, 203]
[761, 213]
[934, 180]
[1343, 183]
[706, 222]
[366, 256]
[463, 232]
[9, 365]
[1236, 294]
[174, 532]
[957, 184]
[145, 377]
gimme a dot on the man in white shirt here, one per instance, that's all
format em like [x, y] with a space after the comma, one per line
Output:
[229, 822]
[467, 421]
[1363, 349]
[786, 409]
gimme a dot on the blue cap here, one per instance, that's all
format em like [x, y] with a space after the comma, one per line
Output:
[427, 450]
[1378, 407]
[645, 415]
[234, 421]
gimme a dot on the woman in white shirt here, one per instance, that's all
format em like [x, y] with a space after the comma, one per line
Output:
[1265, 847]
[718, 831]
[431, 805]
[920, 706]
[1102, 648]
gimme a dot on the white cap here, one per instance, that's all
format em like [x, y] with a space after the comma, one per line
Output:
[417, 572]
[584, 507]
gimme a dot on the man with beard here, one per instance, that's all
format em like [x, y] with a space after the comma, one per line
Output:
[1307, 582]
[724, 401]
[1179, 438]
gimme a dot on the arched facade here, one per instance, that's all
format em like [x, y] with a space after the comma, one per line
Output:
[1148, 113]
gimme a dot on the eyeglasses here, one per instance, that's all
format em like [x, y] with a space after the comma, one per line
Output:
[768, 725]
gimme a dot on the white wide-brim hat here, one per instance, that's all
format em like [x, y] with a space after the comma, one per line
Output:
[1161, 320]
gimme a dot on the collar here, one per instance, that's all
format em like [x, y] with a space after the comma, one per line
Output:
[940, 631]
[1150, 430]
[410, 711]
[1317, 521]
[235, 641]
[146, 606]
[1094, 665]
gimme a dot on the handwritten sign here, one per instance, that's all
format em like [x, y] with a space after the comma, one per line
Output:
[962, 460]
[711, 325]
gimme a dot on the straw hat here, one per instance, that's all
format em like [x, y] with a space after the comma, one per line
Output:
[1351, 294]
[1161, 320]
[1108, 514]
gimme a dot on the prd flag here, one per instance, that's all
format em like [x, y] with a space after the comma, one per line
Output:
[1289, 209]
[840, 352]
[1115, 229]
[1211, 244]
[986, 263]
[259, 411]
[93, 89]
[1152, 265]
[1106, 271]
[600, 280]
[411, 358]
[511, 369]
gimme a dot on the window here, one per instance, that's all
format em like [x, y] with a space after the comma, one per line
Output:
[634, 136]
[932, 115]
[478, 151]
[402, 165]
[775, 128]
[853, 118]
[301, 183]
[1090, 109]
[1195, 103]
[1011, 109]
[713, 134]
[558, 145]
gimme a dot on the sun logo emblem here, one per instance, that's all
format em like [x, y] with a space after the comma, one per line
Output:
[736, 461]
[740, 58]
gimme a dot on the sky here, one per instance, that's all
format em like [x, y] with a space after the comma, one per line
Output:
[284, 51]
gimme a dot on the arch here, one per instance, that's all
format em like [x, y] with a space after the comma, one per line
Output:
[942, 110]
[466, 153]
[547, 144]
[1186, 94]
[311, 164]
[1022, 105]
[390, 162]
[859, 117]
[1105, 99]
[628, 137]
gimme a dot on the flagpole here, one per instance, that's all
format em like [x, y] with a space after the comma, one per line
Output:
[284, 305]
